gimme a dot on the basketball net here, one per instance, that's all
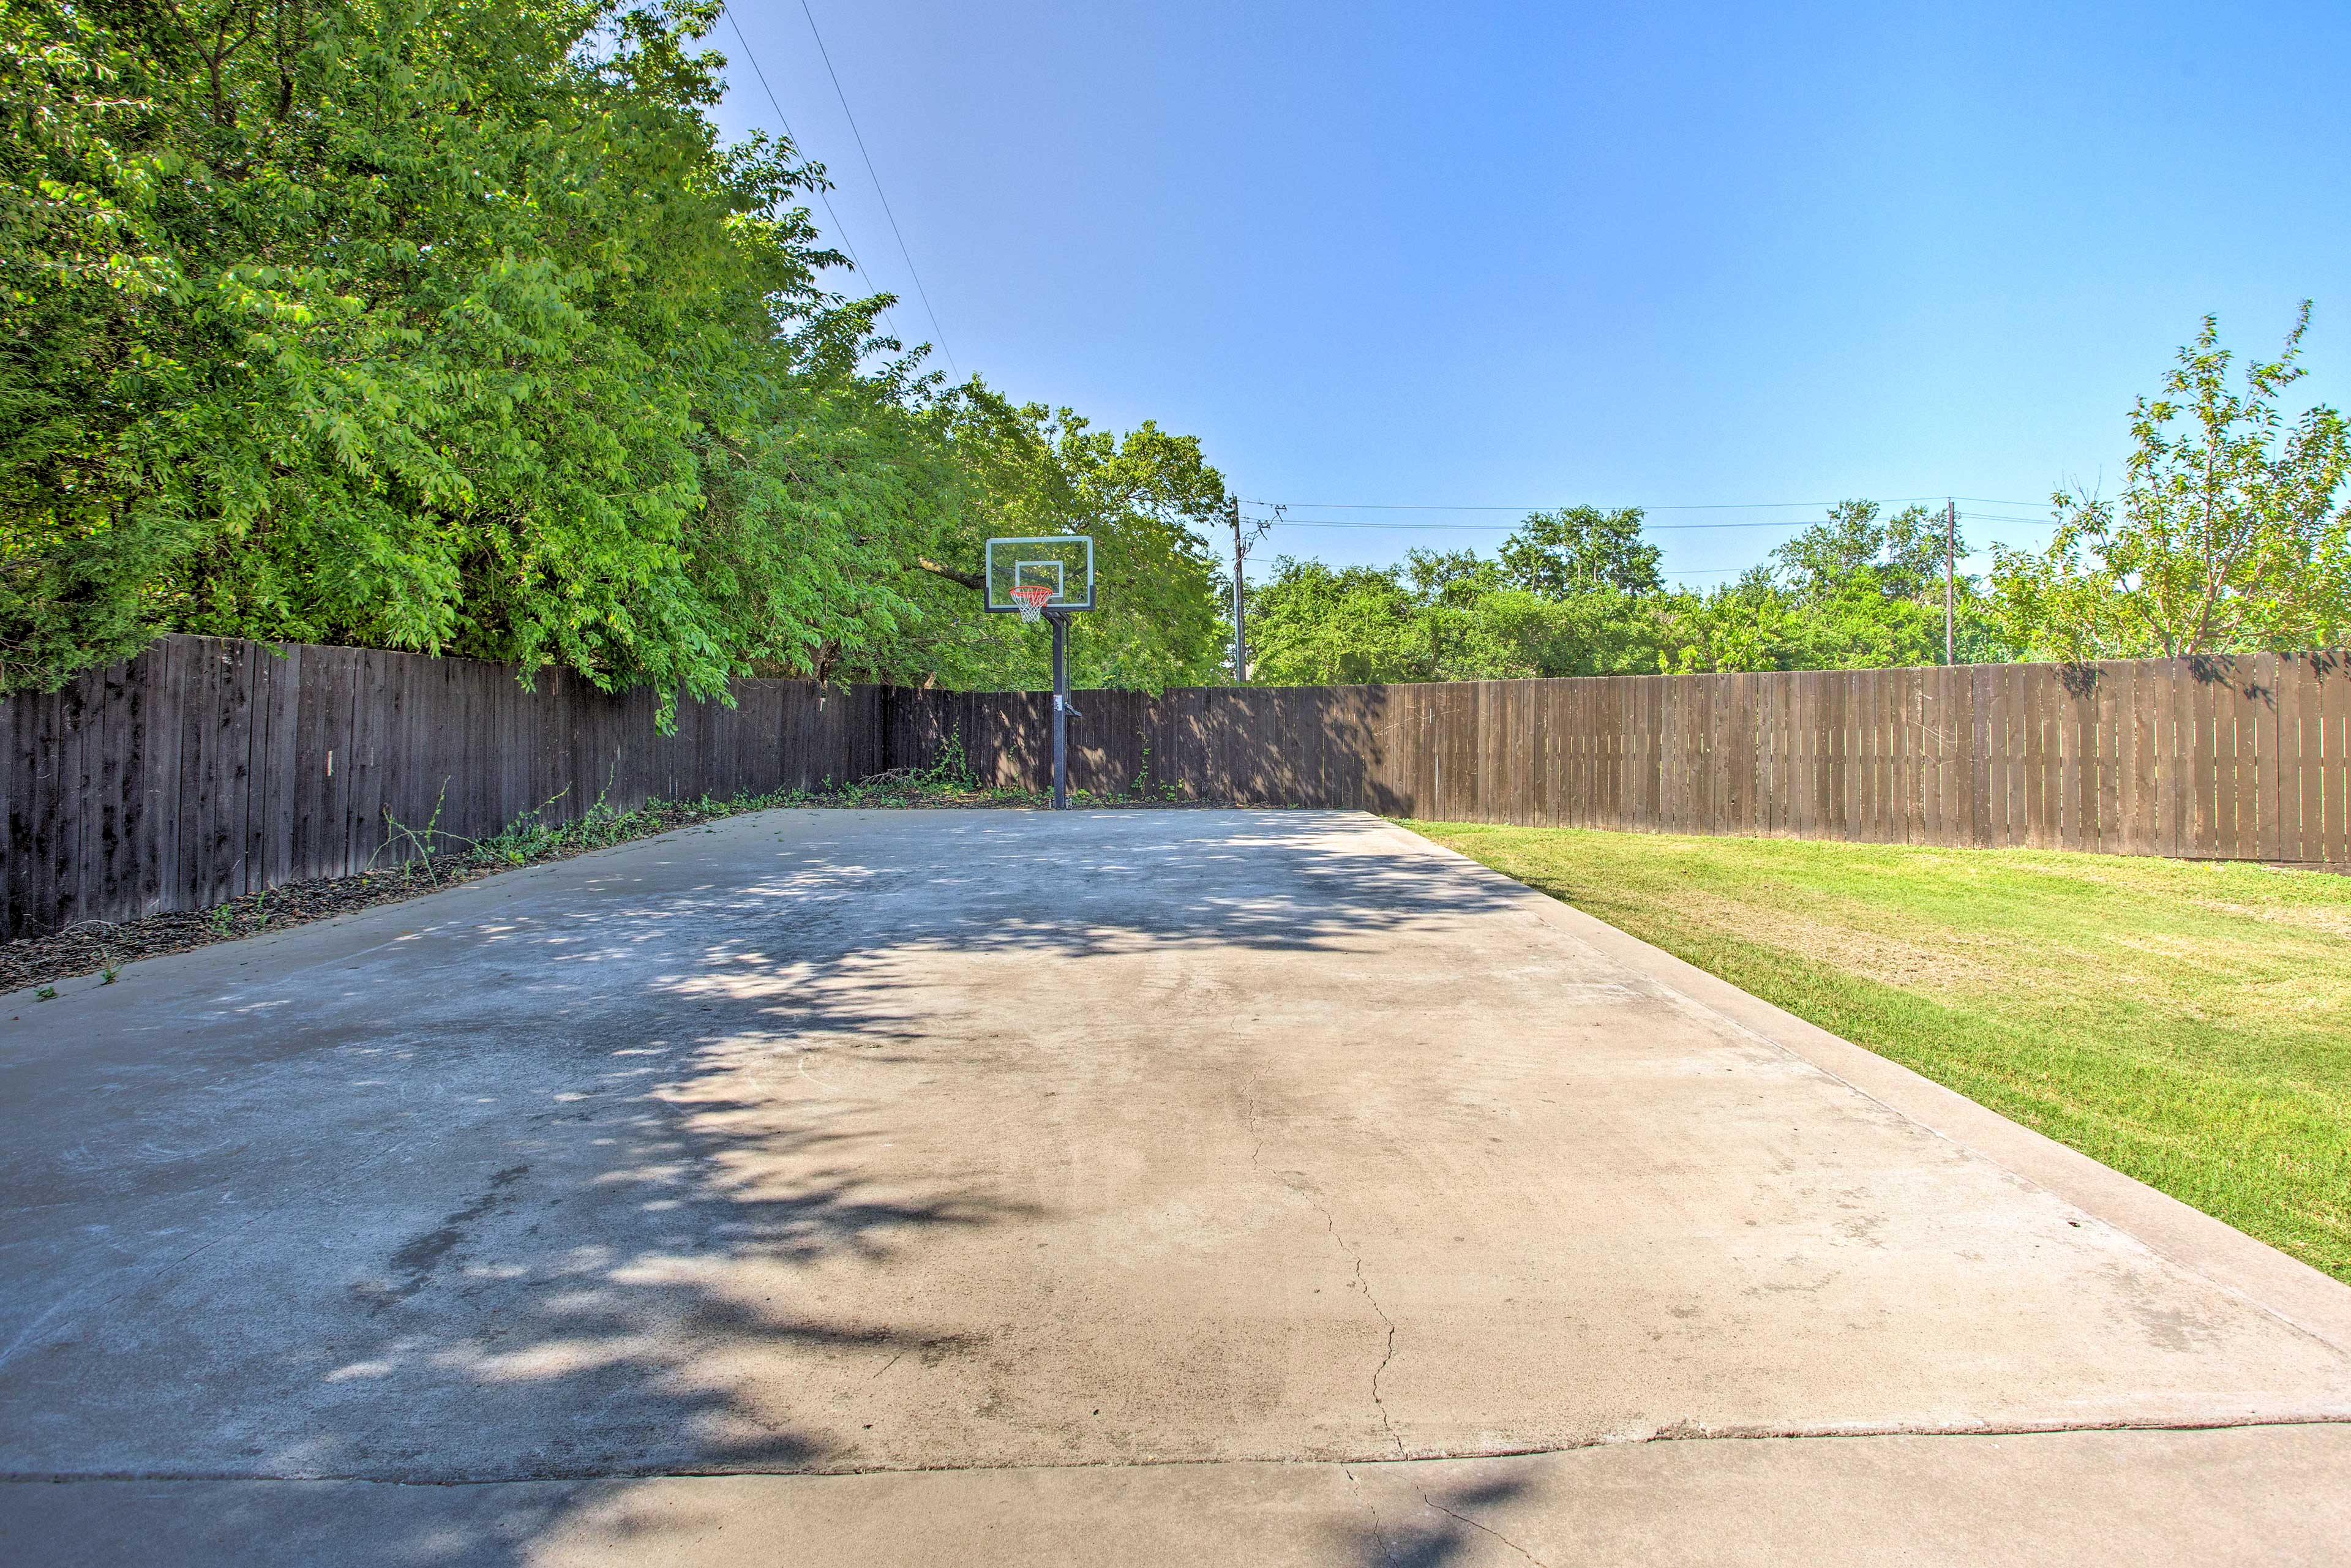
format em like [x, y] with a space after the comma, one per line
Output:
[1032, 598]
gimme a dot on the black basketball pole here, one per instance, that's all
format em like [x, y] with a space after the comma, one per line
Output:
[1061, 710]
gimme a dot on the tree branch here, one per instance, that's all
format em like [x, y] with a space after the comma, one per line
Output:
[977, 584]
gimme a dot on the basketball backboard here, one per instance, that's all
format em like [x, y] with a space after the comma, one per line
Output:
[1063, 563]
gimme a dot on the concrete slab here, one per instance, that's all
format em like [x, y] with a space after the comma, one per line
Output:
[2265, 1495]
[836, 1143]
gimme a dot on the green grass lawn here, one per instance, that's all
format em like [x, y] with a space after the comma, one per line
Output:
[2186, 1023]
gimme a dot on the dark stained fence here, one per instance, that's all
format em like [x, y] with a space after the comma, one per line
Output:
[2221, 758]
[207, 769]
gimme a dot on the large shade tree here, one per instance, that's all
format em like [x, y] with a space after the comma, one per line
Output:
[454, 325]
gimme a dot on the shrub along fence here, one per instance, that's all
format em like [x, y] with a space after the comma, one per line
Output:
[206, 768]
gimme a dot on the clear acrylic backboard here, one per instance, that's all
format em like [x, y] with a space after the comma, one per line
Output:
[1063, 563]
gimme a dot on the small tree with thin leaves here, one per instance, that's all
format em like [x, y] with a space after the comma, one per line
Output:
[2230, 535]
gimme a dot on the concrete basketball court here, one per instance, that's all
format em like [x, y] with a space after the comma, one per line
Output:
[1125, 1186]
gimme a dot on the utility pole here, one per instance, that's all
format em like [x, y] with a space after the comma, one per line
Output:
[1240, 596]
[1950, 571]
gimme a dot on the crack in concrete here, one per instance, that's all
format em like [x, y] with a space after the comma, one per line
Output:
[1487, 1529]
[1379, 1536]
[1332, 1224]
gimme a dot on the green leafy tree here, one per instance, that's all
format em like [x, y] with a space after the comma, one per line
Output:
[1577, 549]
[84, 270]
[1145, 498]
[2231, 534]
[1899, 557]
[801, 543]
[1312, 624]
[1597, 632]
[1750, 624]
[1449, 615]
[455, 326]
[1856, 590]
[442, 316]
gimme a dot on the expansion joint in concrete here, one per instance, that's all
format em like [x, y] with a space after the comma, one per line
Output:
[1677, 1436]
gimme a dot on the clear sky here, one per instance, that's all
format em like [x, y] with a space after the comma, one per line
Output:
[1511, 255]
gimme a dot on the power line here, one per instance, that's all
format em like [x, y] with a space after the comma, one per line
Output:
[876, 178]
[838, 227]
[1461, 528]
[1702, 506]
[1646, 527]
[1414, 528]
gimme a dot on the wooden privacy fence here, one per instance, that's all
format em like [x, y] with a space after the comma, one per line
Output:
[206, 768]
[2231, 758]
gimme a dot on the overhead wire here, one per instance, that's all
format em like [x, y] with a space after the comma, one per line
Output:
[939, 332]
[840, 229]
[1418, 527]
[905, 253]
[1646, 527]
[1695, 506]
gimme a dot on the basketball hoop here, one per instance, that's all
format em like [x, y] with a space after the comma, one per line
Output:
[1044, 576]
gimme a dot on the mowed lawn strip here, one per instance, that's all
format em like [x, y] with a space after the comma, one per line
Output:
[2186, 1023]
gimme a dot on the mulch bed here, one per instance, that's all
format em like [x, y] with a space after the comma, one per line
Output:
[93, 946]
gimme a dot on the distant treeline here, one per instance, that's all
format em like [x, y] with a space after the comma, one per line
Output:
[2230, 535]
[1578, 592]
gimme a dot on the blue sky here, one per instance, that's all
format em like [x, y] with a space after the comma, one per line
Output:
[1671, 255]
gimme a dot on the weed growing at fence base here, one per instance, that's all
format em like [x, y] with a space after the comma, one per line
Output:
[418, 860]
[2186, 1023]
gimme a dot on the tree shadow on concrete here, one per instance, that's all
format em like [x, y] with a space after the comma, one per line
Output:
[1445, 1527]
[1291, 881]
[524, 1205]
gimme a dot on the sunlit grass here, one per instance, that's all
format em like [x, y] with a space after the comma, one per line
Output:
[2188, 1024]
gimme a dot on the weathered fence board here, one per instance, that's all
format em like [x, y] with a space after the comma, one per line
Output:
[2236, 757]
[206, 768]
